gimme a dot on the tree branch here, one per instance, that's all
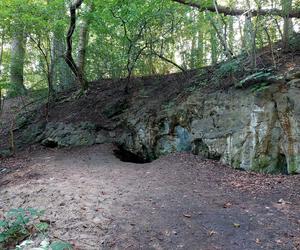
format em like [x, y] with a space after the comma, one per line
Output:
[228, 11]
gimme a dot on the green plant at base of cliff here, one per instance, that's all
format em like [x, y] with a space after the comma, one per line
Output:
[16, 226]
[260, 87]
[292, 166]
[261, 164]
[269, 165]
[20, 224]
[236, 163]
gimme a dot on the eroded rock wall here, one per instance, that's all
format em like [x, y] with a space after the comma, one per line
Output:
[252, 130]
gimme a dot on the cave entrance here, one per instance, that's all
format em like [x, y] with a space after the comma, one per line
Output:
[282, 164]
[127, 156]
[50, 143]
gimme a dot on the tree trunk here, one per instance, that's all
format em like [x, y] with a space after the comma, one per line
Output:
[1, 57]
[214, 47]
[83, 41]
[68, 55]
[17, 63]
[201, 49]
[61, 75]
[287, 22]
[1, 51]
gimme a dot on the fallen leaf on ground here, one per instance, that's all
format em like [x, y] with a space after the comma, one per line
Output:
[211, 233]
[227, 205]
[283, 202]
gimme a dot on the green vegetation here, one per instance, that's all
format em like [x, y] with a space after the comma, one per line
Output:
[260, 87]
[21, 225]
[51, 44]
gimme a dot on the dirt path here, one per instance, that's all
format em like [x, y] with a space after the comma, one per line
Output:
[95, 201]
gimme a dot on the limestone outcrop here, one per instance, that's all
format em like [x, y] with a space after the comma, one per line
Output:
[252, 129]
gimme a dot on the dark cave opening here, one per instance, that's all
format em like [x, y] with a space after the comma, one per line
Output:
[282, 164]
[50, 143]
[127, 156]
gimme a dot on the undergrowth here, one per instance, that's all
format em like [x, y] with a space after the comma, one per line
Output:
[21, 227]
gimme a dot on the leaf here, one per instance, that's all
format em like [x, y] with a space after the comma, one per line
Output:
[5, 85]
[14, 212]
[211, 233]
[42, 226]
[283, 202]
[3, 237]
[3, 223]
[60, 245]
[227, 205]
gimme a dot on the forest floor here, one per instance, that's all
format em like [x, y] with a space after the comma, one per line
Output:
[180, 201]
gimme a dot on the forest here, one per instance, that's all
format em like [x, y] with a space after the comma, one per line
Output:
[50, 44]
[149, 124]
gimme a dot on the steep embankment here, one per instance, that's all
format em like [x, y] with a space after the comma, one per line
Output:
[247, 119]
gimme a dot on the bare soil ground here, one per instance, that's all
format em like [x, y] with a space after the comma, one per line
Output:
[181, 201]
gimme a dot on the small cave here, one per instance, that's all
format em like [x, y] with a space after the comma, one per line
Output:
[127, 156]
[282, 164]
[49, 143]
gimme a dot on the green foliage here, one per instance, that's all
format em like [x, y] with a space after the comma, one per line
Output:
[10, 89]
[177, 32]
[5, 85]
[60, 245]
[261, 164]
[260, 87]
[229, 68]
[295, 42]
[258, 76]
[19, 224]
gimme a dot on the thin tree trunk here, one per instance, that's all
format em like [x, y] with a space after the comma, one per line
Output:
[250, 37]
[83, 41]
[200, 45]
[220, 36]
[61, 74]
[1, 57]
[68, 55]
[193, 53]
[17, 63]
[287, 23]
[1, 51]
[214, 47]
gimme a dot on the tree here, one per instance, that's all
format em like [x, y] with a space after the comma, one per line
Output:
[68, 55]
[287, 23]
[83, 39]
[17, 61]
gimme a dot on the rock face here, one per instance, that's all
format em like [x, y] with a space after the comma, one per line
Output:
[245, 128]
[252, 128]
